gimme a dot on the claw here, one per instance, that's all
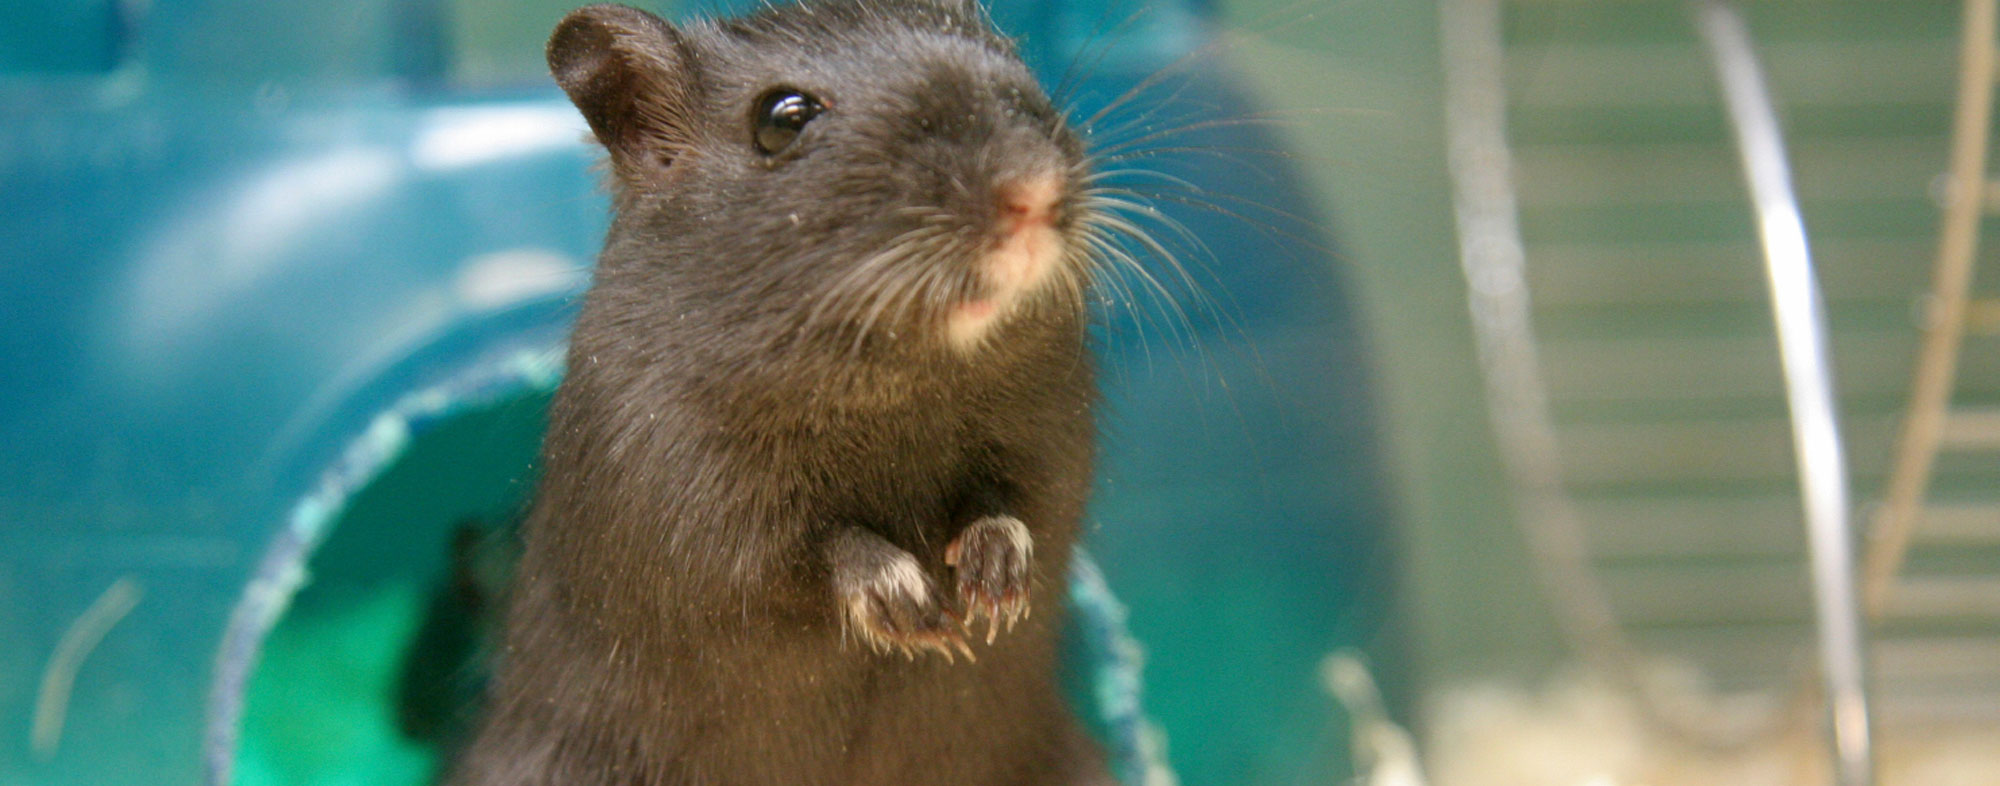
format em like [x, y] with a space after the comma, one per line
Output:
[992, 558]
[897, 609]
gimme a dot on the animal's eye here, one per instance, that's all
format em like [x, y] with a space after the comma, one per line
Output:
[780, 115]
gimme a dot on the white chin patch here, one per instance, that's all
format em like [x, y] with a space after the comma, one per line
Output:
[1012, 272]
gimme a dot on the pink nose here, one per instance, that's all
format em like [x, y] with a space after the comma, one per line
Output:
[1029, 202]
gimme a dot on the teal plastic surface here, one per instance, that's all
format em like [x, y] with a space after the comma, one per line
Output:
[238, 233]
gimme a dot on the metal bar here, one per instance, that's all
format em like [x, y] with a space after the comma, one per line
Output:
[1944, 329]
[1494, 260]
[1800, 320]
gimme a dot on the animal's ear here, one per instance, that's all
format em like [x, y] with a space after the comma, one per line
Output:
[628, 72]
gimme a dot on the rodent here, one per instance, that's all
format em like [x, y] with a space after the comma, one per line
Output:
[826, 432]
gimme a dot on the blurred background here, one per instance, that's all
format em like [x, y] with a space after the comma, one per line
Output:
[283, 289]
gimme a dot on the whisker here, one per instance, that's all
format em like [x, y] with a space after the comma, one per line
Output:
[1105, 270]
[1144, 121]
[1276, 118]
[1114, 252]
[1201, 201]
[896, 249]
[1109, 214]
[1165, 309]
[1102, 40]
[1201, 255]
[1220, 153]
[1180, 64]
[1117, 292]
[881, 303]
[1154, 79]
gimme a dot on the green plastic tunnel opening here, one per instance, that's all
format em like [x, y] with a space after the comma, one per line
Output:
[327, 703]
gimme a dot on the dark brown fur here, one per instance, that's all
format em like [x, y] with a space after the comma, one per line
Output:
[754, 419]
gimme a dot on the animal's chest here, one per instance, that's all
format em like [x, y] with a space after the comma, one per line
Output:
[905, 465]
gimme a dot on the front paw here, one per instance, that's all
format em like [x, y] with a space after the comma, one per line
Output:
[992, 557]
[890, 604]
